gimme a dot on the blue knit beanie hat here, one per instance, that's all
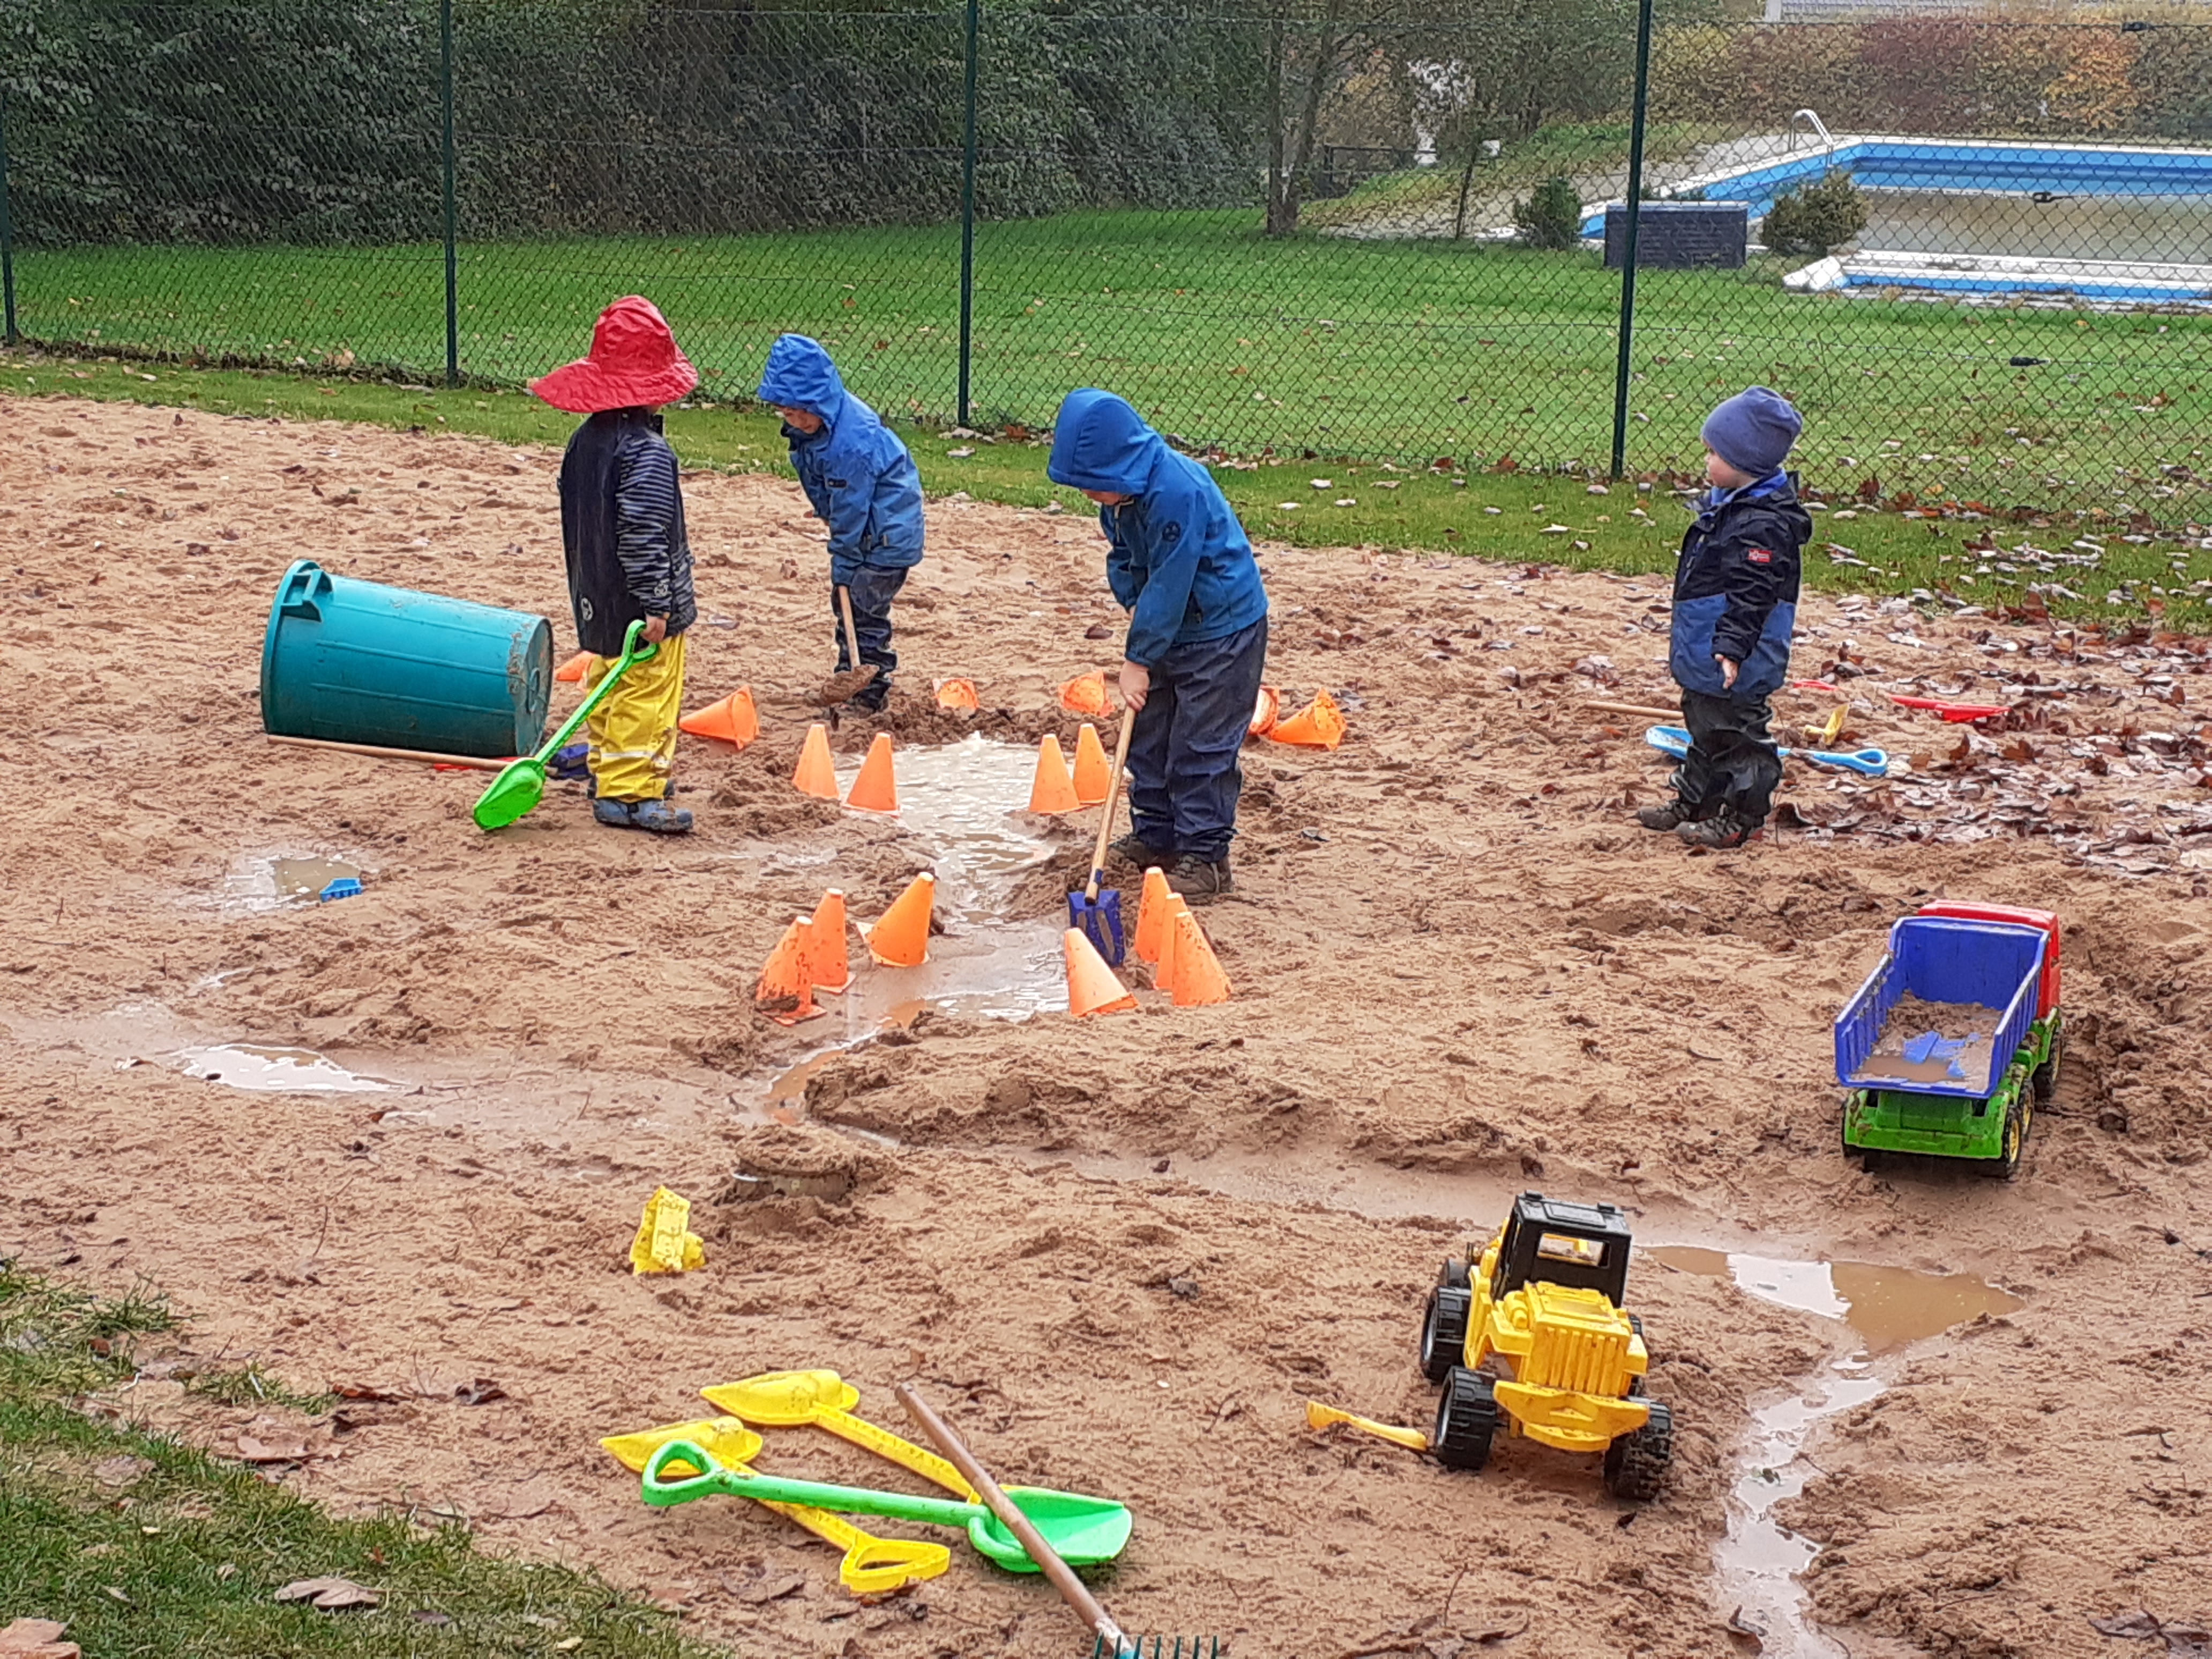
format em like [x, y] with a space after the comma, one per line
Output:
[1754, 430]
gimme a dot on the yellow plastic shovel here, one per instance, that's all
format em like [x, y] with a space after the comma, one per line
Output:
[781, 1399]
[871, 1565]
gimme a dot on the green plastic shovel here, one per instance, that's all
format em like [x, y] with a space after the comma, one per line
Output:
[521, 785]
[1085, 1530]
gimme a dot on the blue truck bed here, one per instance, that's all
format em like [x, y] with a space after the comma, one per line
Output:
[1996, 965]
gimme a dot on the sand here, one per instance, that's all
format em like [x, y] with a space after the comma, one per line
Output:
[1120, 1252]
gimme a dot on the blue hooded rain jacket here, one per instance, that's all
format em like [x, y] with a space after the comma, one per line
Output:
[1177, 558]
[855, 472]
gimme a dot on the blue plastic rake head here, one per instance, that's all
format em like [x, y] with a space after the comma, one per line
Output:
[1156, 1647]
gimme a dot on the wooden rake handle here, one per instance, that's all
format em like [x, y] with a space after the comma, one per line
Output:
[1071, 1589]
[1113, 799]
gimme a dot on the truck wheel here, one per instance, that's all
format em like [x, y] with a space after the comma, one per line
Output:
[1467, 1420]
[2046, 1080]
[1636, 1464]
[1443, 1331]
[1454, 1275]
[2005, 1164]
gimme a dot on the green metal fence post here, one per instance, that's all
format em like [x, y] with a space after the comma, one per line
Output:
[968, 210]
[453, 265]
[7, 232]
[1628, 241]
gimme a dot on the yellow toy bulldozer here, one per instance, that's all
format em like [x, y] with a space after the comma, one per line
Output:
[1540, 1307]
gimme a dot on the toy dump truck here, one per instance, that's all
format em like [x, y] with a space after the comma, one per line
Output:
[1541, 1305]
[1954, 1036]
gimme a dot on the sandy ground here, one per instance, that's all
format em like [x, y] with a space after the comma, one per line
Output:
[1460, 971]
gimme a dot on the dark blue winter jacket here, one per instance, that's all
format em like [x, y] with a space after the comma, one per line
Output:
[1735, 589]
[854, 471]
[1176, 557]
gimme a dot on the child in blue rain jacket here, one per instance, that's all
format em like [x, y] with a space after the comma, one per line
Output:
[1179, 562]
[1735, 603]
[862, 484]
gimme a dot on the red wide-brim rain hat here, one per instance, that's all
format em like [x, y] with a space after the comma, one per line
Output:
[634, 360]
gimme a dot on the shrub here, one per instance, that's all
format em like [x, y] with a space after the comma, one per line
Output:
[1551, 215]
[1815, 217]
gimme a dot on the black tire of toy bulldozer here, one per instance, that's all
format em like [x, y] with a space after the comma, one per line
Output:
[1444, 1331]
[1636, 1464]
[1454, 1275]
[1467, 1420]
[2046, 1080]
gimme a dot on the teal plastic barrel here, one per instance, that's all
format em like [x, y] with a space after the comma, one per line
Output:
[352, 661]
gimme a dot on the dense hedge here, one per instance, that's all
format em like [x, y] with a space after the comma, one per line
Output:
[246, 120]
[1943, 76]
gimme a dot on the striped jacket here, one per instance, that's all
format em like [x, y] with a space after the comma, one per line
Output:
[621, 528]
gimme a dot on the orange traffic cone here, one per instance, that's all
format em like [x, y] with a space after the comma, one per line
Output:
[1163, 971]
[1093, 771]
[1265, 711]
[1086, 694]
[1318, 725]
[1054, 790]
[571, 672]
[900, 939]
[1091, 987]
[817, 773]
[1198, 976]
[827, 965]
[1153, 915]
[957, 694]
[733, 720]
[786, 994]
[875, 790]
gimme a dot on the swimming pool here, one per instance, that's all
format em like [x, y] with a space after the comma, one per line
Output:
[2111, 223]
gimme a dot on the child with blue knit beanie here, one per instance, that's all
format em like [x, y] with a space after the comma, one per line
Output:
[1735, 603]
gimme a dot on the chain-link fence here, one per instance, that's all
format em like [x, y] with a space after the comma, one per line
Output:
[1974, 244]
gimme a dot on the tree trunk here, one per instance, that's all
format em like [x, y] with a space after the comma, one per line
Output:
[1283, 201]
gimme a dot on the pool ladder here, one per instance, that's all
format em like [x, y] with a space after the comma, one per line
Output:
[1827, 141]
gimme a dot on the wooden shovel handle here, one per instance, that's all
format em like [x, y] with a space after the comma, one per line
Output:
[1071, 1589]
[852, 633]
[1113, 799]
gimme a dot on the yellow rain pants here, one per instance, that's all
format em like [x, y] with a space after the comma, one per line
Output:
[633, 732]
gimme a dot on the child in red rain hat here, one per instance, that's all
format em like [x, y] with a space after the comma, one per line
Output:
[621, 527]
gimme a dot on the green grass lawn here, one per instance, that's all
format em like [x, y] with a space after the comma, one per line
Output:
[1509, 518]
[148, 1549]
[1347, 348]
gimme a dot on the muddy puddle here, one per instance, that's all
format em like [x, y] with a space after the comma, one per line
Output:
[1885, 1309]
[963, 802]
[297, 1070]
[269, 881]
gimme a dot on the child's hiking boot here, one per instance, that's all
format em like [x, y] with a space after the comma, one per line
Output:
[1665, 819]
[1199, 880]
[655, 817]
[1135, 849]
[1719, 834]
[570, 764]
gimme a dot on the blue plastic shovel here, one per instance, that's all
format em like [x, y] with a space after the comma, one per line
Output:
[1868, 762]
[1095, 915]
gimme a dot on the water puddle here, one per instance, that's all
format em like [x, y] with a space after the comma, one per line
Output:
[1886, 1309]
[296, 1070]
[962, 801]
[268, 882]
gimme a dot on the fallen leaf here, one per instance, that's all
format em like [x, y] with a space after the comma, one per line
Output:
[431, 1617]
[366, 1392]
[36, 1639]
[770, 1587]
[331, 1594]
[254, 1450]
[481, 1392]
[122, 1471]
